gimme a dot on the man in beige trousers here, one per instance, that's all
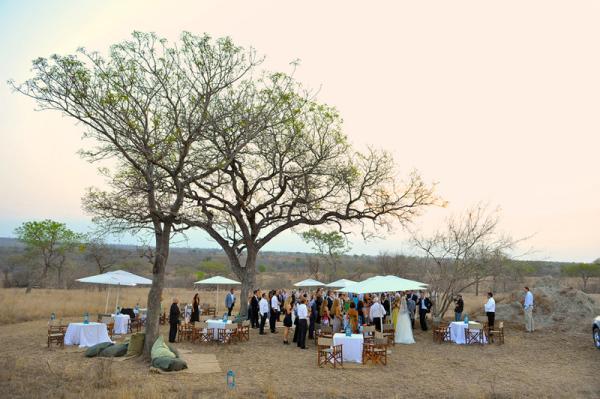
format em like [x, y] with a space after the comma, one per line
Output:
[528, 308]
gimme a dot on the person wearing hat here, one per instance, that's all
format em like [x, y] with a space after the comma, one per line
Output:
[458, 309]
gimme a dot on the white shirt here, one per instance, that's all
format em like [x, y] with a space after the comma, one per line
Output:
[302, 311]
[423, 304]
[377, 311]
[275, 303]
[490, 305]
[528, 300]
[263, 306]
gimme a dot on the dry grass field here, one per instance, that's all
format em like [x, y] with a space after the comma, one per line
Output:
[543, 364]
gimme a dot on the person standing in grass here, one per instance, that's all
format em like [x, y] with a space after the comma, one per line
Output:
[458, 309]
[490, 310]
[174, 314]
[263, 306]
[230, 302]
[528, 308]
[287, 319]
[195, 309]
[302, 323]
[336, 315]
[377, 313]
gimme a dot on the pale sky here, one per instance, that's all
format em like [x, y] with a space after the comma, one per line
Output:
[497, 101]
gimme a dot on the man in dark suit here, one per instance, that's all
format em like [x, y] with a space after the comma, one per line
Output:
[174, 314]
[254, 309]
[424, 306]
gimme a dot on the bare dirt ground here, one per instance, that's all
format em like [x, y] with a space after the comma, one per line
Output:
[538, 365]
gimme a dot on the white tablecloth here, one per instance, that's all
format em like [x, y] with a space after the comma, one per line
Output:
[216, 324]
[121, 324]
[458, 330]
[86, 335]
[352, 346]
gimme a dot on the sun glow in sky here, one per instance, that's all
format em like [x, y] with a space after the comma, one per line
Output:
[497, 101]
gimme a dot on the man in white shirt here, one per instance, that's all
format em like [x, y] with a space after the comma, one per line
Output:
[263, 308]
[274, 312]
[490, 310]
[302, 323]
[377, 313]
[528, 308]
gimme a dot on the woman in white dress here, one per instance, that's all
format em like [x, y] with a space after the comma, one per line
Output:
[403, 333]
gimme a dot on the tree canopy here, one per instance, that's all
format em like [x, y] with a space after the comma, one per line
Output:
[52, 241]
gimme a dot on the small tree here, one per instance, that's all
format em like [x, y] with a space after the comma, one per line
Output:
[262, 268]
[101, 254]
[313, 265]
[461, 253]
[585, 271]
[52, 241]
[329, 245]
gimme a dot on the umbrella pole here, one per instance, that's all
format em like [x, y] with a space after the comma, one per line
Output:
[217, 304]
[107, 295]
[118, 292]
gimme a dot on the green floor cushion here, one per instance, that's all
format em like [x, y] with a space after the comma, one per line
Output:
[160, 349]
[136, 344]
[116, 350]
[169, 364]
[93, 351]
[173, 349]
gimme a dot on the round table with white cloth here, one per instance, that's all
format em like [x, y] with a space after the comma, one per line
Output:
[458, 331]
[216, 324]
[86, 335]
[121, 324]
[352, 346]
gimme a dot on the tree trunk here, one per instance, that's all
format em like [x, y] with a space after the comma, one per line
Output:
[477, 287]
[248, 278]
[158, 281]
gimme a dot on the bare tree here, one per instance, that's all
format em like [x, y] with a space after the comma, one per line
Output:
[313, 265]
[151, 108]
[101, 254]
[461, 253]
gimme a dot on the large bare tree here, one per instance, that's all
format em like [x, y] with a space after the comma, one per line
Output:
[300, 173]
[154, 110]
[462, 253]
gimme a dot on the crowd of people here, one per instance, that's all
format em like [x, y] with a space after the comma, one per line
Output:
[305, 310]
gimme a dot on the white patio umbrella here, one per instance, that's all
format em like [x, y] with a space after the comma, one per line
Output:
[217, 280]
[118, 278]
[309, 283]
[340, 283]
[383, 284]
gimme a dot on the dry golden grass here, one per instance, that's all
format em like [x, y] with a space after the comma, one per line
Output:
[17, 306]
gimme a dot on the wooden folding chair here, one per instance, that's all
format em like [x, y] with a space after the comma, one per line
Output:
[376, 351]
[225, 335]
[135, 324]
[56, 333]
[201, 333]
[326, 332]
[441, 333]
[243, 331]
[497, 334]
[184, 332]
[388, 332]
[110, 324]
[327, 353]
[474, 333]
[368, 333]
